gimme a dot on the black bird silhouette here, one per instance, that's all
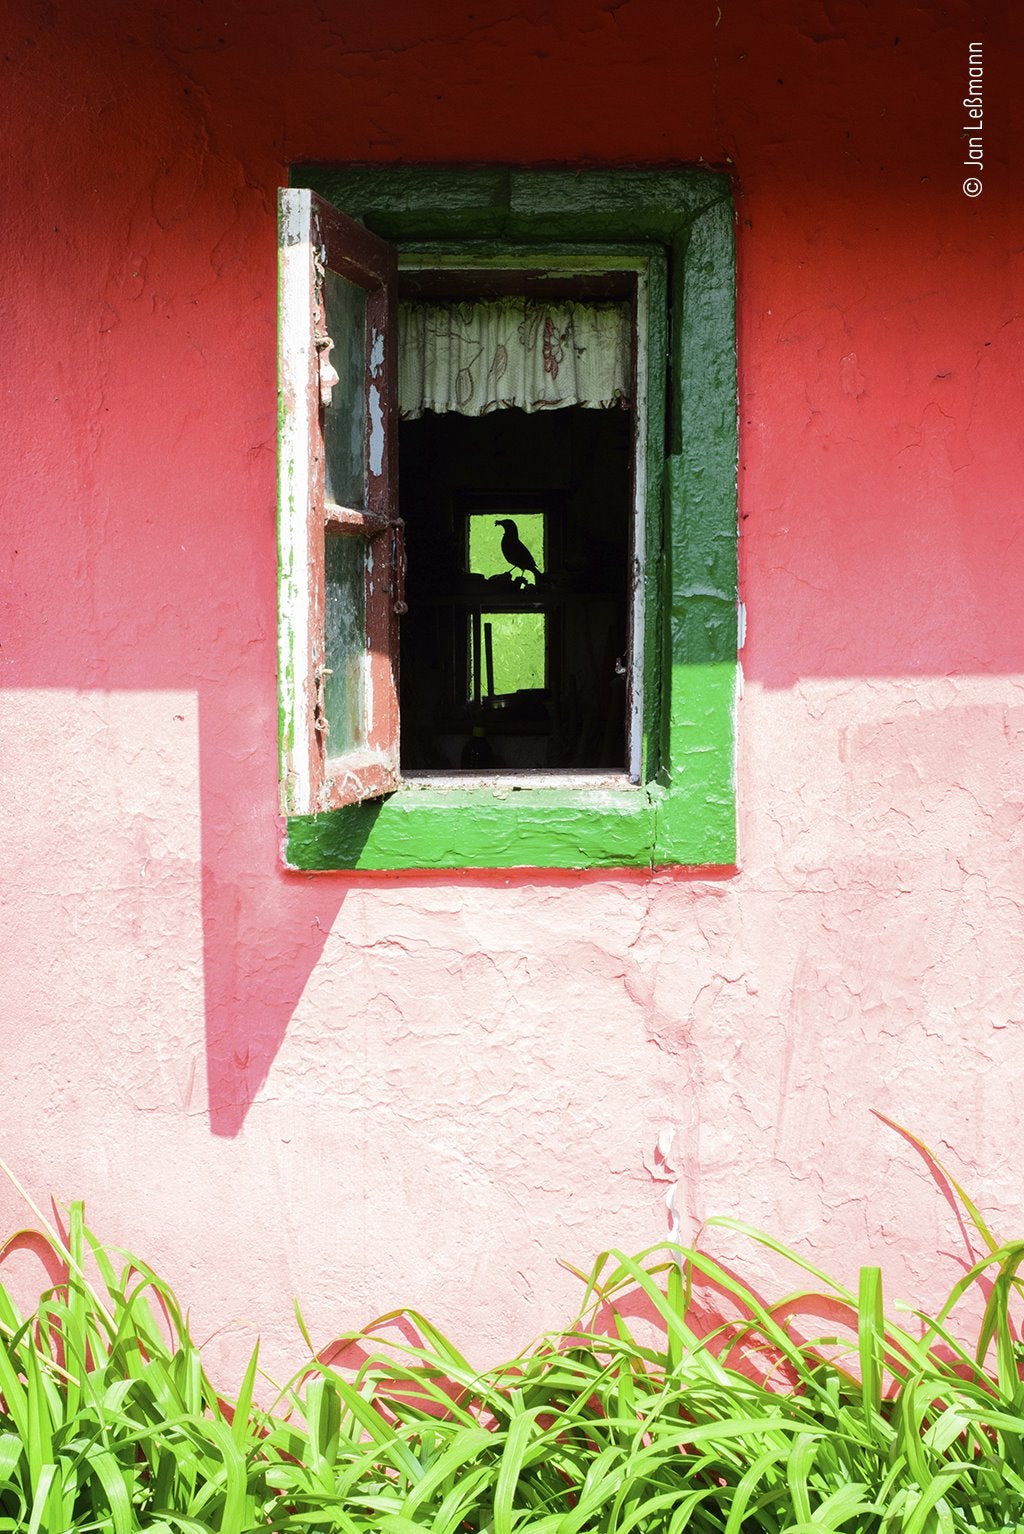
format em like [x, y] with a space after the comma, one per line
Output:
[514, 550]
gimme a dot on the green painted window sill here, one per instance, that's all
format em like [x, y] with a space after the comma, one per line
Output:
[578, 827]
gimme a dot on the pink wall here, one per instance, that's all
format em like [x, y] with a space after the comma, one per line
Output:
[363, 1091]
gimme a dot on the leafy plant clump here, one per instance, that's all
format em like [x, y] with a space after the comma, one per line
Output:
[677, 1400]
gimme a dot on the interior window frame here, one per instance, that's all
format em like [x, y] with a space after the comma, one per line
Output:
[558, 271]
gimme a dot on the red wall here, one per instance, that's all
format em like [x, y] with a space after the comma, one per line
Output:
[238, 1067]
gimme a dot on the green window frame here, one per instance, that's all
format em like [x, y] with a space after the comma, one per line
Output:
[682, 811]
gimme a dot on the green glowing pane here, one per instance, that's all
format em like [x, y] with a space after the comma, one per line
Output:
[485, 556]
[345, 636]
[344, 417]
[519, 645]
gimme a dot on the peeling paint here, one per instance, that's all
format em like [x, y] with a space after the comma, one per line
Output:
[376, 440]
[366, 1090]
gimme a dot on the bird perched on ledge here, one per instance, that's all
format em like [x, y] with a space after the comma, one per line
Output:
[514, 550]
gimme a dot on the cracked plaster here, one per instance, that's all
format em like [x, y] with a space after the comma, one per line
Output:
[368, 1091]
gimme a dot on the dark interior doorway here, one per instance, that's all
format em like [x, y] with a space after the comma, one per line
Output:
[515, 646]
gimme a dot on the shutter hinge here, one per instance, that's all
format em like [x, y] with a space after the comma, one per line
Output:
[320, 721]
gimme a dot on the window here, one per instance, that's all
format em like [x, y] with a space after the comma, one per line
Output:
[508, 638]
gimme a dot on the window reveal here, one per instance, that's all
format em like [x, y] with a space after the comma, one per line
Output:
[677, 800]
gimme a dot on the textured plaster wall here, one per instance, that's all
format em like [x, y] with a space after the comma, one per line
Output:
[362, 1090]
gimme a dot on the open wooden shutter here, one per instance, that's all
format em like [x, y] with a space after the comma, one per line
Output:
[340, 542]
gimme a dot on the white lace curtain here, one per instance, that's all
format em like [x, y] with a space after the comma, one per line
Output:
[513, 352]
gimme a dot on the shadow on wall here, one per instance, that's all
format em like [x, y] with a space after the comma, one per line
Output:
[144, 602]
[879, 541]
[262, 939]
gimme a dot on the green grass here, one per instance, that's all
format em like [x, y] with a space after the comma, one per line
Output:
[677, 1399]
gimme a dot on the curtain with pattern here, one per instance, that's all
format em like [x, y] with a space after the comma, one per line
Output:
[504, 353]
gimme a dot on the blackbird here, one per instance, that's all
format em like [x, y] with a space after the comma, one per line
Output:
[514, 550]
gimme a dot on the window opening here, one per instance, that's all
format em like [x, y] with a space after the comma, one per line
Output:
[518, 502]
[663, 241]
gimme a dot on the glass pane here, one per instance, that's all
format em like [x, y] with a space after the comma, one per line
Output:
[345, 416]
[345, 633]
[512, 654]
[496, 544]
